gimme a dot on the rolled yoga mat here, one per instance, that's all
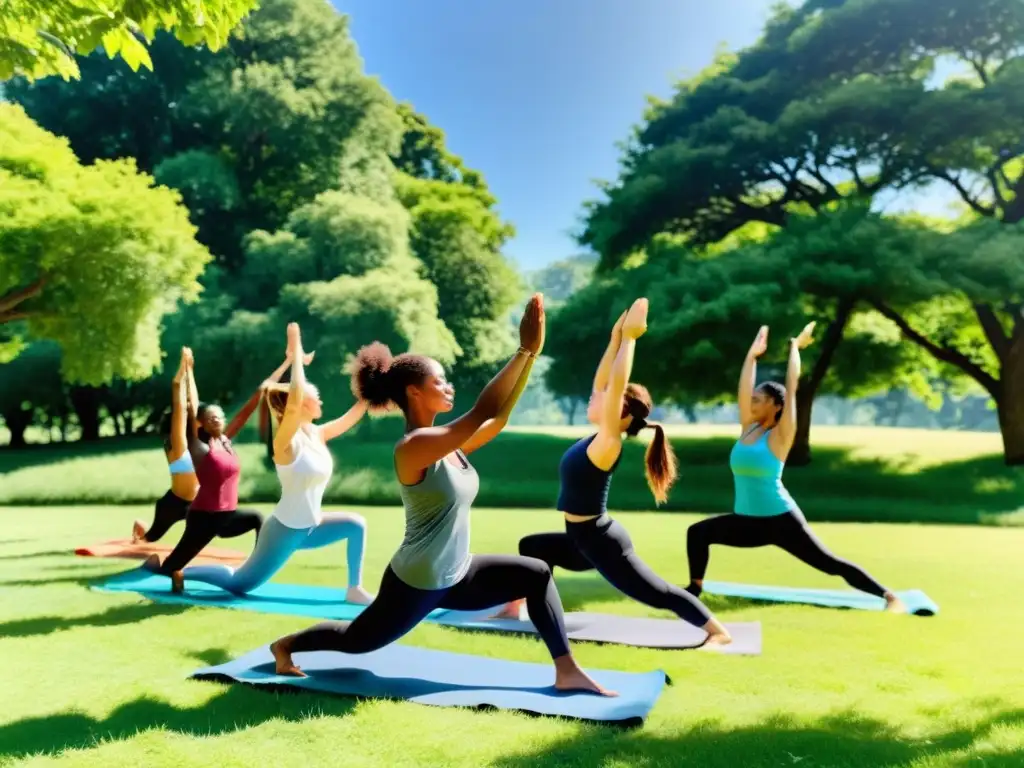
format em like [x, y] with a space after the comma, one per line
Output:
[328, 603]
[442, 679]
[917, 602]
[126, 549]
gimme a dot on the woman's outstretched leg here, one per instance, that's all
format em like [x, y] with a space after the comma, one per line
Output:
[608, 546]
[169, 509]
[554, 549]
[397, 609]
[730, 530]
[351, 528]
[496, 579]
[274, 546]
[797, 538]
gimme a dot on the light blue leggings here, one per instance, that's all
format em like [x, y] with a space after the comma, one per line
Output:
[275, 545]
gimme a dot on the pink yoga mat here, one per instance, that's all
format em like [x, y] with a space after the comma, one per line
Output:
[125, 548]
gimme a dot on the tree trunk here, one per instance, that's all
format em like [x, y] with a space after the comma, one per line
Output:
[1010, 404]
[17, 422]
[800, 453]
[86, 402]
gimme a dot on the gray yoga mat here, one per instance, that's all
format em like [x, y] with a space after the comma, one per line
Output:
[637, 631]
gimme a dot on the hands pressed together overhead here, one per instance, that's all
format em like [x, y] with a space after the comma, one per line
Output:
[802, 341]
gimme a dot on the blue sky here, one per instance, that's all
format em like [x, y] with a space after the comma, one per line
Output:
[535, 93]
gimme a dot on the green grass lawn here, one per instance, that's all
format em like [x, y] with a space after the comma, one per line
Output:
[98, 679]
[858, 474]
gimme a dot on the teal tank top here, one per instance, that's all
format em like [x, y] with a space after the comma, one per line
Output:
[757, 476]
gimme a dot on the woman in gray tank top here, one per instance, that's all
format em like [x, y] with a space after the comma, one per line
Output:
[433, 567]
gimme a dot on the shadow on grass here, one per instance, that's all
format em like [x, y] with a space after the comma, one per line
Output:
[521, 470]
[237, 708]
[112, 617]
[843, 739]
[586, 592]
[34, 555]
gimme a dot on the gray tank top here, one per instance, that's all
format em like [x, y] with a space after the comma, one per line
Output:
[435, 551]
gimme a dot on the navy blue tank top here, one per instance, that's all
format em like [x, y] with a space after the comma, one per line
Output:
[584, 487]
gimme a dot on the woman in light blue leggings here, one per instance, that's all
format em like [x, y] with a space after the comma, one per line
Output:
[304, 467]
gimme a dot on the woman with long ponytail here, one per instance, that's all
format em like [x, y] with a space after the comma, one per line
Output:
[593, 540]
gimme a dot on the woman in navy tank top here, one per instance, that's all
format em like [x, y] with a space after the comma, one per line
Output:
[764, 513]
[593, 540]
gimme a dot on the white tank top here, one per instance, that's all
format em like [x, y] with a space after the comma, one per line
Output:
[304, 481]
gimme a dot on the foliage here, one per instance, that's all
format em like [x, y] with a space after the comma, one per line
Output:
[91, 257]
[41, 37]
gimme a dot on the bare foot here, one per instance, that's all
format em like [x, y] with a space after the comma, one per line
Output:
[893, 604]
[283, 664]
[716, 642]
[152, 563]
[576, 679]
[138, 532]
[512, 610]
[358, 596]
[178, 583]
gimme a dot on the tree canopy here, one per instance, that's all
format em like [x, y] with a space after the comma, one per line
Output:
[836, 104]
[42, 37]
[320, 198]
[91, 257]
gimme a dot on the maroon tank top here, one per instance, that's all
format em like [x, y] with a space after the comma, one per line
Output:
[218, 480]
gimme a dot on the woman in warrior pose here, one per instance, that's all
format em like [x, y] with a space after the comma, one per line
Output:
[593, 540]
[764, 512]
[173, 505]
[304, 467]
[433, 567]
[214, 511]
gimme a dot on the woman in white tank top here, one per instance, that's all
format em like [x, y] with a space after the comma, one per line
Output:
[304, 466]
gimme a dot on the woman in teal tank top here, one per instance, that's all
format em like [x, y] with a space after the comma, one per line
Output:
[764, 514]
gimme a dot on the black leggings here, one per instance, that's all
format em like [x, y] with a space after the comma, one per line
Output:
[602, 544]
[202, 527]
[789, 532]
[170, 509]
[492, 580]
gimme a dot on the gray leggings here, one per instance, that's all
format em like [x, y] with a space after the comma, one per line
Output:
[276, 544]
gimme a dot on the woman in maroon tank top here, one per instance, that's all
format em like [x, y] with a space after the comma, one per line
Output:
[214, 511]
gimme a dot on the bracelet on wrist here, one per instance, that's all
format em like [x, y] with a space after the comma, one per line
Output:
[525, 351]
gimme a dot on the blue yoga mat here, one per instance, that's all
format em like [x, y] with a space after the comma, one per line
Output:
[917, 602]
[327, 603]
[442, 679]
[288, 599]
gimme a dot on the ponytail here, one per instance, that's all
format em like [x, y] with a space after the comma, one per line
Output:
[660, 461]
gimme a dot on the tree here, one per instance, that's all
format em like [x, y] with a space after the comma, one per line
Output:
[41, 37]
[831, 104]
[705, 312]
[342, 268]
[559, 280]
[91, 257]
[454, 236]
[31, 383]
[278, 115]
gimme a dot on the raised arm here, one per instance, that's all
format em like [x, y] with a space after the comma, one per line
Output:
[607, 444]
[296, 393]
[787, 421]
[179, 407]
[422, 447]
[191, 395]
[339, 426]
[491, 428]
[748, 375]
[604, 368]
[241, 418]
